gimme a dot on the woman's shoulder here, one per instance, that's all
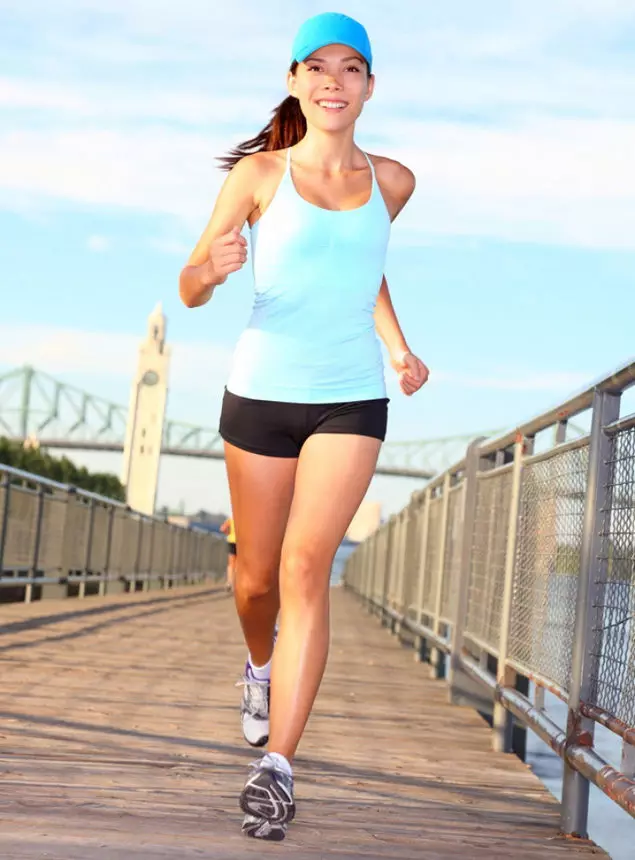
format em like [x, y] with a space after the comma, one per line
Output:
[396, 181]
[258, 176]
[260, 165]
[398, 178]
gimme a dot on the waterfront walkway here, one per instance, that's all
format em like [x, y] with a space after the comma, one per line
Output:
[119, 738]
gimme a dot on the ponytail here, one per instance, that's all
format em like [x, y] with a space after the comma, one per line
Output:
[286, 127]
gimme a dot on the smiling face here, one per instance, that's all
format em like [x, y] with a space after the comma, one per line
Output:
[332, 86]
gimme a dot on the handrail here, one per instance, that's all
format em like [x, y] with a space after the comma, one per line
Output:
[57, 540]
[493, 575]
[617, 381]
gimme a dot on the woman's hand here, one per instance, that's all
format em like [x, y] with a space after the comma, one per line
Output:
[412, 372]
[227, 254]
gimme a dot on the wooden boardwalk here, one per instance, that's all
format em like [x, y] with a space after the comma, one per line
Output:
[119, 738]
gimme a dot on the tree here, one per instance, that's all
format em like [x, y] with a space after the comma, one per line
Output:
[59, 469]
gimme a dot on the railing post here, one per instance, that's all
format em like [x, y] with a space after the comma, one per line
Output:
[89, 549]
[137, 563]
[460, 606]
[387, 568]
[379, 568]
[148, 582]
[372, 570]
[423, 550]
[575, 793]
[503, 722]
[400, 573]
[103, 585]
[28, 591]
[359, 568]
[437, 658]
[68, 538]
[393, 564]
[170, 555]
[369, 573]
[627, 765]
[5, 489]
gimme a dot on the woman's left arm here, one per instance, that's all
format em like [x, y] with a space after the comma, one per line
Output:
[397, 185]
[411, 371]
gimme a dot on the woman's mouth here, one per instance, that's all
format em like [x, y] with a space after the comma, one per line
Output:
[332, 104]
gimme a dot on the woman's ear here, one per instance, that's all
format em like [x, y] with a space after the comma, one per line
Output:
[291, 82]
[371, 87]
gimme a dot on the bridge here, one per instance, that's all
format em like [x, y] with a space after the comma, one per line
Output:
[35, 405]
[509, 578]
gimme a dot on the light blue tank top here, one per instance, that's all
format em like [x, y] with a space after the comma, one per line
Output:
[317, 272]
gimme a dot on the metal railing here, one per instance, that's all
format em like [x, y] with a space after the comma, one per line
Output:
[516, 566]
[59, 541]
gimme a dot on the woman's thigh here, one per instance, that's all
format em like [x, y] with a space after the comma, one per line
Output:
[261, 490]
[333, 474]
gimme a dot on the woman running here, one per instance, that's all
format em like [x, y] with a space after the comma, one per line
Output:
[227, 529]
[305, 409]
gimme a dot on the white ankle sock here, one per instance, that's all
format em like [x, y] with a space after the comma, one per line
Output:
[261, 673]
[280, 762]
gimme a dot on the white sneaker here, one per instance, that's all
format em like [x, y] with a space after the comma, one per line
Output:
[254, 708]
[267, 801]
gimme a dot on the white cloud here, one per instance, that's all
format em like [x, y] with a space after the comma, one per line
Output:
[98, 244]
[109, 356]
[146, 142]
[110, 105]
[543, 180]
[172, 247]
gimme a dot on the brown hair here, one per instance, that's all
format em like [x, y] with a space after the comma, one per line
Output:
[286, 127]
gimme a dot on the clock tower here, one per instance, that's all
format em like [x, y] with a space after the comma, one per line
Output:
[146, 417]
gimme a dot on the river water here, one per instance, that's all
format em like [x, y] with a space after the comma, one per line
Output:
[609, 826]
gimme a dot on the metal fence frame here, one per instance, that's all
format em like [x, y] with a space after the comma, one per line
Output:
[58, 541]
[465, 566]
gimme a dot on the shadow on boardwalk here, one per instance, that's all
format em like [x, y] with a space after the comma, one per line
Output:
[119, 738]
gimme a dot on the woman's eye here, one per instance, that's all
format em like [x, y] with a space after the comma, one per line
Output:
[352, 69]
[314, 68]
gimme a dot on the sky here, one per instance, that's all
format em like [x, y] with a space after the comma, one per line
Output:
[512, 269]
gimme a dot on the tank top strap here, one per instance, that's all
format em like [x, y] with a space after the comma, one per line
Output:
[374, 185]
[370, 164]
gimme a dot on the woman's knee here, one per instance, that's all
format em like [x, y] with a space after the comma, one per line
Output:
[255, 580]
[304, 575]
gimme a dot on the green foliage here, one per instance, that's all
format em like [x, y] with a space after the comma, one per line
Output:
[59, 469]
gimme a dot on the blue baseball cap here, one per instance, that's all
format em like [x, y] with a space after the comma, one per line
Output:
[331, 28]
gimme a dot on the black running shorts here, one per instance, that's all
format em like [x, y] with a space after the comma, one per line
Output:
[278, 429]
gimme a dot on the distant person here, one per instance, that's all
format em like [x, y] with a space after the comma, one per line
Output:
[227, 529]
[305, 408]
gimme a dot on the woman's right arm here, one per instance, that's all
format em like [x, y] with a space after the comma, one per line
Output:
[221, 249]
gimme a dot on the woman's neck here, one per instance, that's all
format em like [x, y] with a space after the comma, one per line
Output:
[329, 152]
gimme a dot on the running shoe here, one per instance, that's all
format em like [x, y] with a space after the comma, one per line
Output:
[260, 828]
[254, 708]
[267, 801]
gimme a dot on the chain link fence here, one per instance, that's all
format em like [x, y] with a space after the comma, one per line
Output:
[489, 545]
[56, 541]
[451, 565]
[546, 573]
[431, 567]
[520, 567]
[613, 643]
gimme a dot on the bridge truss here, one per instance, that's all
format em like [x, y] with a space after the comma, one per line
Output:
[35, 406]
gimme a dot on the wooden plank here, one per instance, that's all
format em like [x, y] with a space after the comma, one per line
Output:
[119, 738]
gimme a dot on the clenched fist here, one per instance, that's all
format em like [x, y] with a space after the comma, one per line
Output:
[227, 254]
[411, 371]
